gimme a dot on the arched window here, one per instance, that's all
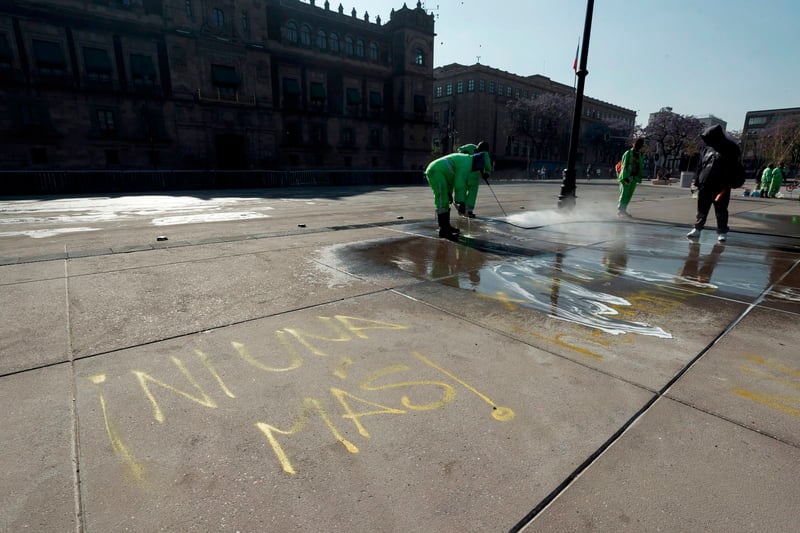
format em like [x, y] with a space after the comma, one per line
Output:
[305, 35]
[333, 41]
[373, 51]
[348, 46]
[291, 32]
[322, 40]
[217, 17]
[359, 48]
[419, 56]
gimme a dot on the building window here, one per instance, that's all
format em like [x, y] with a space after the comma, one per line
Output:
[500, 89]
[317, 95]
[471, 86]
[460, 87]
[245, 23]
[373, 52]
[293, 134]
[106, 122]
[375, 138]
[291, 93]
[319, 134]
[419, 56]
[756, 121]
[359, 48]
[491, 87]
[438, 91]
[291, 32]
[420, 107]
[436, 119]
[518, 94]
[188, 8]
[322, 40]
[353, 96]
[31, 117]
[449, 91]
[97, 64]
[333, 41]
[49, 58]
[509, 91]
[224, 80]
[305, 35]
[481, 85]
[375, 100]
[6, 55]
[217, 17]
[348, 46]
[348, 137]
[525, 93]
[143, 72]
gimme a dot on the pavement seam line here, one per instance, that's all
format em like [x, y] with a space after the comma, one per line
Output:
[594, 456]
[75, 440]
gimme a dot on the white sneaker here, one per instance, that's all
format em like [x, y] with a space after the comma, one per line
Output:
[722, 237]
[694, 234]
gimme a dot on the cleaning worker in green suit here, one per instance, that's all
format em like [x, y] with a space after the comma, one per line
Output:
[466, 198]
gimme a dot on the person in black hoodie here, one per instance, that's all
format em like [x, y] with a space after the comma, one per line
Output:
[718, 168]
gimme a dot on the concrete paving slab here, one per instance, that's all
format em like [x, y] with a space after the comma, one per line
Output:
[122, 308]
[33, 325]
[357, 414]
[751, 376]
[37, 488]
[784, 293]
[679, 469]
[226, 247]
[48, 270]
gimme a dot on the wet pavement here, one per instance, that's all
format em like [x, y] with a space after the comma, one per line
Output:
[317, 360]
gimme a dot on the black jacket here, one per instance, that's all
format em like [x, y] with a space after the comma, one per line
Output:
[718, 164]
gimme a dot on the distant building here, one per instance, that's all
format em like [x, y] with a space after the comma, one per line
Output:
[470, 104]
[755, 123]
[233, 84]
[711, 120]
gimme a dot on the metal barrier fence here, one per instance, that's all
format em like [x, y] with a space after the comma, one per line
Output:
[35, 182]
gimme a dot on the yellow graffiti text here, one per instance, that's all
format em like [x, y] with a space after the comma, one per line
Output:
[145, 379]
[778, 373]
[117, 445]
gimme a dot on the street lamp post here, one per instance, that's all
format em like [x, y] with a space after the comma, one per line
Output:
[566, 199]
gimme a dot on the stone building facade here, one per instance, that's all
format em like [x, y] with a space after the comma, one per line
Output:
[213, 84]
[470, 103]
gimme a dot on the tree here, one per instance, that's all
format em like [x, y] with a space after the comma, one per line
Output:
[674, 135]
[608, 139]
[780, 142]
[544, 121]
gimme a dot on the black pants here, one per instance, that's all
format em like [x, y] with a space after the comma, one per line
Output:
[706, 197]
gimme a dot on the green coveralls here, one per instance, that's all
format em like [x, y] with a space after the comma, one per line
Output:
[766, 176]
[469, 196]
[630, 174]
[775, 181]
[446, 175]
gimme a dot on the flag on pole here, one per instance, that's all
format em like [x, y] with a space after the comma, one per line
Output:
[575, 61]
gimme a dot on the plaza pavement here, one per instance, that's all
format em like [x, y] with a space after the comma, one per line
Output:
[336, 367]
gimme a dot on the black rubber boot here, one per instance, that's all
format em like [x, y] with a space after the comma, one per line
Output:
[461, 208]
[446, 231]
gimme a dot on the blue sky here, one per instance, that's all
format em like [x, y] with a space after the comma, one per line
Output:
[700, 57]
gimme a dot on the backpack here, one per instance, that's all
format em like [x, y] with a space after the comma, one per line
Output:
[738, 174]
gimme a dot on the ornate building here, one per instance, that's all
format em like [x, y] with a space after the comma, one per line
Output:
[204, 84]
